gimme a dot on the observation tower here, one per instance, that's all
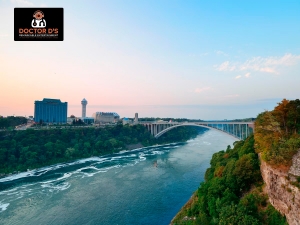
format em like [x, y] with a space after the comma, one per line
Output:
[84, 103]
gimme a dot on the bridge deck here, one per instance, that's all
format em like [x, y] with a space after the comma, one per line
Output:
[152, 122]
[240, 130]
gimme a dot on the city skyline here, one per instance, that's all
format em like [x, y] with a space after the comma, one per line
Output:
[208, 60]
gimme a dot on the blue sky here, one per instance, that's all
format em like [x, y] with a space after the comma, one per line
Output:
[194, 59]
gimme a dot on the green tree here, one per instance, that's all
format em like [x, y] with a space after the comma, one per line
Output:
[246, 170]
[70, 153]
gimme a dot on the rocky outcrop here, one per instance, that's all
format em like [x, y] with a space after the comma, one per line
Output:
[281, 187]
[295, 168]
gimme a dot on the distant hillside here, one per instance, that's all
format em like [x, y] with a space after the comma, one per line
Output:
[11, 121]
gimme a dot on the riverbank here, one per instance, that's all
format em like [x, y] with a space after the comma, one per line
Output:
[232, 192]
[187, 205]
[134, 146]
[29, 149]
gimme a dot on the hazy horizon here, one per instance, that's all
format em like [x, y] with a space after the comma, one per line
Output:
[216, 112]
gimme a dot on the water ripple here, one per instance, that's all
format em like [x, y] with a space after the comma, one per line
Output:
[56, 178]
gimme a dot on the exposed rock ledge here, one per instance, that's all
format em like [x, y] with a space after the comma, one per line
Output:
[284, 196]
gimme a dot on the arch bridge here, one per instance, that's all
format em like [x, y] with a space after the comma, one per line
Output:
[239, 130]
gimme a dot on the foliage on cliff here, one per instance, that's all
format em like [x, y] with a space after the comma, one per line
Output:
[232, 192]
[277, 132]
[28, 149]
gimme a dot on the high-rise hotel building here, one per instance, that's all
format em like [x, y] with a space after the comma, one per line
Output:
[50, 111]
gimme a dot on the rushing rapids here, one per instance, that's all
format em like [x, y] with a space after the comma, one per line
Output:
[143, 186]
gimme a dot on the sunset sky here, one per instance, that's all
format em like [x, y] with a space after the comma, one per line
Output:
[211, 59]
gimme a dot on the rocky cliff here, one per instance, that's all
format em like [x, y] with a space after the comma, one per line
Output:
[282, 187]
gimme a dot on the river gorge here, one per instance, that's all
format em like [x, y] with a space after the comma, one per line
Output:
[143, 186]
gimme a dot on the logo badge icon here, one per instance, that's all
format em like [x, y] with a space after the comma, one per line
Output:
[33, 25]
[38, 21]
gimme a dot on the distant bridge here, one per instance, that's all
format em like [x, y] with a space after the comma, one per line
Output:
[239, 130]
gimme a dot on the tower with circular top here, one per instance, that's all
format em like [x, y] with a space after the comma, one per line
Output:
[136, 118]
[84, 103]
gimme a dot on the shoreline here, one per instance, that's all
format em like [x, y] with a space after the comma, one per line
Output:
[131, 147]
[85, 142]
[186, 205]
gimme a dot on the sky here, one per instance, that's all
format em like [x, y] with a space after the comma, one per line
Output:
[193, 59]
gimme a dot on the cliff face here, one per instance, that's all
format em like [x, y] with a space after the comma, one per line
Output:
[283, 195]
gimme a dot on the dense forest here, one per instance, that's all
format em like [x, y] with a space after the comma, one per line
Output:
[29, 149]
[277, 133]
[232, 192]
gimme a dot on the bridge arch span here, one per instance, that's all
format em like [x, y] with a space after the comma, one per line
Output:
[195, 125]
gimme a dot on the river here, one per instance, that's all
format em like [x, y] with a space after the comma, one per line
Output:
[143, 186]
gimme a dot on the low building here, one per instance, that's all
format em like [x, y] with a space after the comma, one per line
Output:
[88, 120]
[70, 120]
[106, 117]
[126, 121]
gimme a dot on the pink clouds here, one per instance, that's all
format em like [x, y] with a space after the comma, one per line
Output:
[226, 66]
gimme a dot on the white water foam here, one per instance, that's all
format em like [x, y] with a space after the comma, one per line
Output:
[8, 191]
[3, 206]
[142, 158]
[158, 152]
[16, 176]
[97, 165]
[56, 187]
[43, 170]
[60, 184]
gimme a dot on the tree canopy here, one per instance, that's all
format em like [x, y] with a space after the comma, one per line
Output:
[277, 132]
[232, 192]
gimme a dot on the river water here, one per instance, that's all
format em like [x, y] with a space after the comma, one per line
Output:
[143, 186]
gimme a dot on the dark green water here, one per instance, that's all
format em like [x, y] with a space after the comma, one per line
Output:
[145, 186]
